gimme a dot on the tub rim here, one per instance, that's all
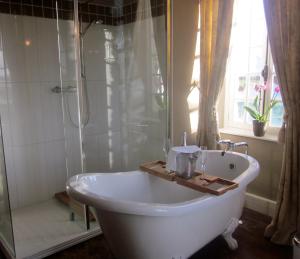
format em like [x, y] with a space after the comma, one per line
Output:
[157, 209]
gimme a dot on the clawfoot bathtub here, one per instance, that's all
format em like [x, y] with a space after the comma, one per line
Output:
[146, 217]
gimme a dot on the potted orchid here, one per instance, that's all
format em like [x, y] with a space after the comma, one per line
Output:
[260, 118]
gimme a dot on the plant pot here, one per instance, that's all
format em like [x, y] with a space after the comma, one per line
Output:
[258, 128]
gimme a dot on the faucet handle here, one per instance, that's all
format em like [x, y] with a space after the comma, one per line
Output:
[224, 141]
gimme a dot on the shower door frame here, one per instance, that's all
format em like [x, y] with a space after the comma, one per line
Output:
[9, 252]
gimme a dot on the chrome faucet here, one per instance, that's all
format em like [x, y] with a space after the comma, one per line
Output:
[230, 146]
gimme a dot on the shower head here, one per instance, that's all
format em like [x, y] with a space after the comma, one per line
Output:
[99, 21]
[95, 21]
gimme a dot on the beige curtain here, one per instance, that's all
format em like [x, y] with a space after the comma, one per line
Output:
[216, 19]
[283, 21]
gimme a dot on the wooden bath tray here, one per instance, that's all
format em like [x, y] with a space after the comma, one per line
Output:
[200, 182]
[207, 184]
[158, 168]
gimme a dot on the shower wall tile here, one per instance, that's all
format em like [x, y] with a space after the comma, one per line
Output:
[73, 155]
[40, 171]
[48, 55]
[98, 117]
[104, 107]
[51, 109]
[28, 167]
[93, 161]
[94, 52]
[25, 118]
[42, 142]
[67, 50]
[103, 152]
[17, 32]
[56, 173]
[11, 176]
[110, 151]
[33, 125]
[35, 43]
[29, 105]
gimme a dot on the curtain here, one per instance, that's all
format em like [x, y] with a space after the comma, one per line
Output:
[216, 19]
[283, 19]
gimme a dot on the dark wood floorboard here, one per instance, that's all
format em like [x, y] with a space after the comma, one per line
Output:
[252, 244]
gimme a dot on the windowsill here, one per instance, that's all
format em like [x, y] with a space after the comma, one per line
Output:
[248, 134]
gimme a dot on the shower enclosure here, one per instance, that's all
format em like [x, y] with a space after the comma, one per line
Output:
[82, 89]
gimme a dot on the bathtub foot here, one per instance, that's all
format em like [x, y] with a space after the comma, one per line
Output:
[227, 234]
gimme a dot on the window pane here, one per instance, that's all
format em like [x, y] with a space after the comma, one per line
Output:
[196, 70]
[240, 87]
[247, 58]
[238, 111]
[274, 85]
[276, 115]
[254, 80]
[257, 58]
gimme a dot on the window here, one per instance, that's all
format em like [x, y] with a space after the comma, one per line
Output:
[248, 55]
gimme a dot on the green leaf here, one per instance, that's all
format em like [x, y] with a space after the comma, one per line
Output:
[254, 114]
[269, 108]
[255, 103]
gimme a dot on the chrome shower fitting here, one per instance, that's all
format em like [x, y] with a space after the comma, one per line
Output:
[83, 31]
[65, 89]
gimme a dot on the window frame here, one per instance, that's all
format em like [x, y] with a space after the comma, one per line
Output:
[229, 99]
[266, 98]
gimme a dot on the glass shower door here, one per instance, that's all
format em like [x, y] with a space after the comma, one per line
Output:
[6, 228]
[72, 93]
[124, 59]
[144, 92]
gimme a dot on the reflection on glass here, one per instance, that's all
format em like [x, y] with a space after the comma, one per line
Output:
[203, 158]
[276, 114]
[257, 57]
[242, 83]
[239, 111]
[255, 79]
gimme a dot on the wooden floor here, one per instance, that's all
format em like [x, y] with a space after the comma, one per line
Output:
[252, 244]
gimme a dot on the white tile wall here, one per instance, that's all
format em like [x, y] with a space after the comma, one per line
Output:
[42, 144]
[33, 125]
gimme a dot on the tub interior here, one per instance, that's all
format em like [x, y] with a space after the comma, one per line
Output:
[141, 187]
[138, 187]
[229, 166]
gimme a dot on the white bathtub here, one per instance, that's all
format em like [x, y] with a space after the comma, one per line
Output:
[146, 217]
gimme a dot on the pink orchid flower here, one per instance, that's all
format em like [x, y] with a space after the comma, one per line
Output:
[277, 89]
[258, 88]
